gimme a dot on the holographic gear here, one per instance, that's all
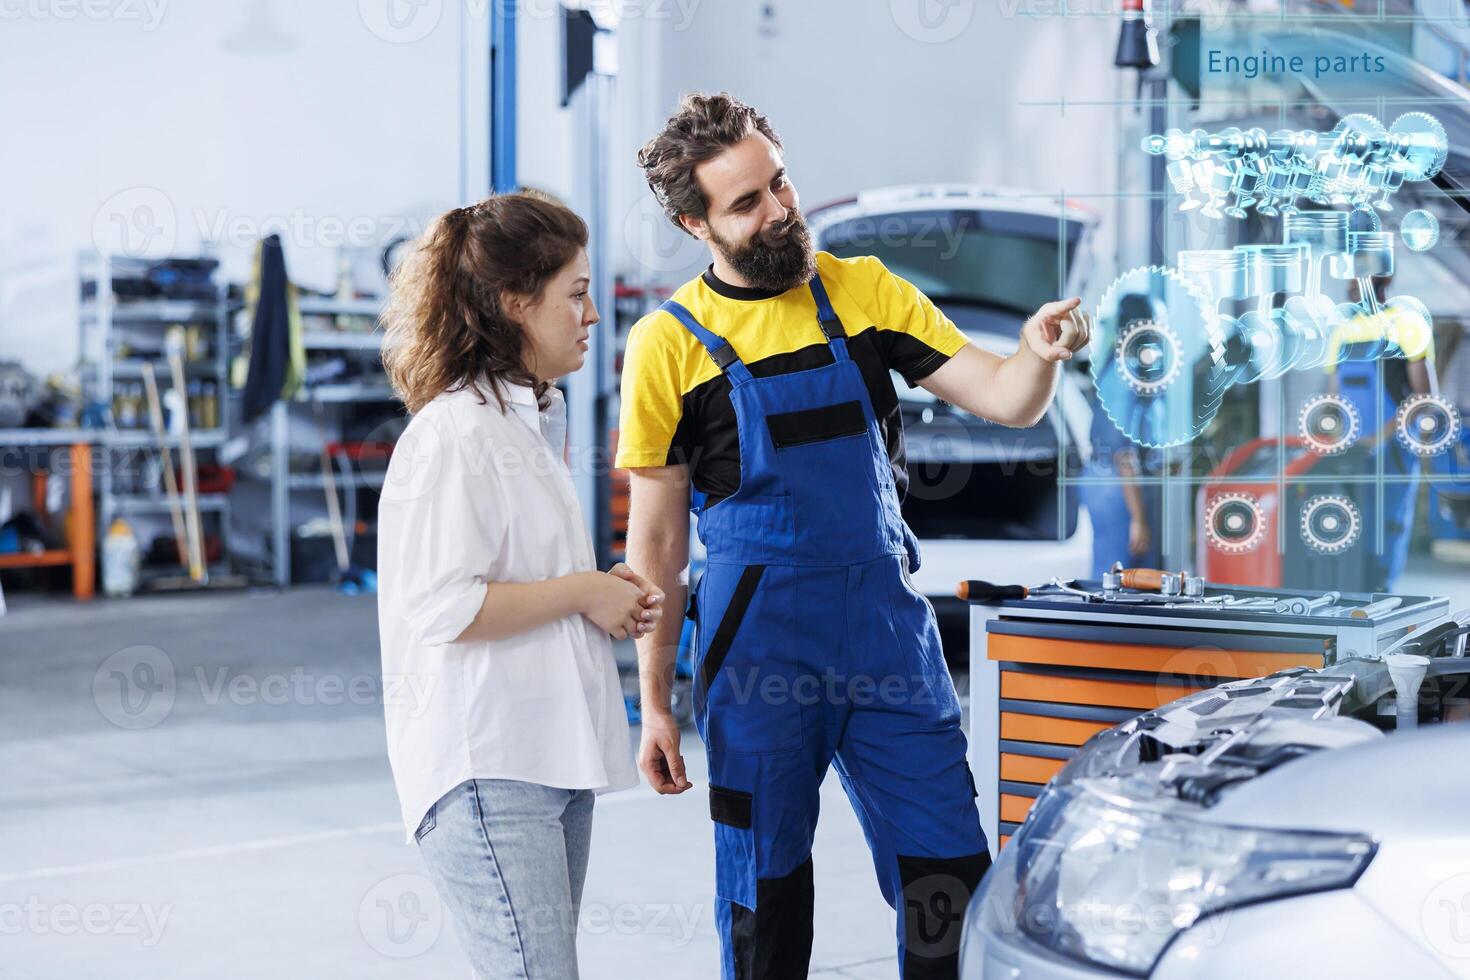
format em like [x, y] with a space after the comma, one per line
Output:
[1148, 357]
[1235, 522]
[1329, 424]
[1330, 523]
[1159, 357]
[1427, 425]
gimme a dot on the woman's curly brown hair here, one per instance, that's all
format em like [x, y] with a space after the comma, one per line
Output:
[445, 326]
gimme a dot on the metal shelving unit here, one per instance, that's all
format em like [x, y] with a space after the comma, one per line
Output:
[102, 315]
[124, 439]
[315, 481]
[208, 502]
[284, 481]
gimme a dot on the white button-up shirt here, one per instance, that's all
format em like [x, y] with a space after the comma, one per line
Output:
[476, 495]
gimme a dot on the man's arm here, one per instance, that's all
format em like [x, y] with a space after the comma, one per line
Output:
[1015, 390]
[658, 547]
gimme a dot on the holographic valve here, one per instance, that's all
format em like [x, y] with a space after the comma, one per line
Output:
[1358, 163]
[1166, 345]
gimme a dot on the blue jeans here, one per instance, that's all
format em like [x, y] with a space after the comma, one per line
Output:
[509, 858]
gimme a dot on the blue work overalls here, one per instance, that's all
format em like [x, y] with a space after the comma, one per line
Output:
[814, 649]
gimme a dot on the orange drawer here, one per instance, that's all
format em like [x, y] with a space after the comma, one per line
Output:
[1056, 731]
[1004, 838]
[1013, 809]
[1028, 768]
[1078, 690]
[1153, 659]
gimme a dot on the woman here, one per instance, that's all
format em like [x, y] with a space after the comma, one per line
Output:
[504, 709]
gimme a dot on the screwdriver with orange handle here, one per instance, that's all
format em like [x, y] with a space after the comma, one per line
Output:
[989, 593]
[1145, 579]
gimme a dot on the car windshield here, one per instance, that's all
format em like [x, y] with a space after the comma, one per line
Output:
[988, 270]
[982, 265]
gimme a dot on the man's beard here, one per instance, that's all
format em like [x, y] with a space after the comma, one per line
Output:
[775, 262]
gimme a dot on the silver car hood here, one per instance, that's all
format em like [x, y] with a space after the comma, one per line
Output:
[1287, 751]
[1412, 783]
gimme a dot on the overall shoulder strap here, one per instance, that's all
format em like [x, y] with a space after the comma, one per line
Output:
[719, 349]
[832, 327]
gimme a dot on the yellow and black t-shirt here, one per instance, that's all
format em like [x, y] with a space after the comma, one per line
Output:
[676, 402]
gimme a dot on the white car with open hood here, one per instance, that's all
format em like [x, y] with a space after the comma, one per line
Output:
[1313, 823]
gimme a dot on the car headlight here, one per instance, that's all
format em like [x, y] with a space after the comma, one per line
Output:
[1102, 876]
[1107, 753]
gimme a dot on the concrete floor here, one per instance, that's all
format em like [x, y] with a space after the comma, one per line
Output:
[241, 818]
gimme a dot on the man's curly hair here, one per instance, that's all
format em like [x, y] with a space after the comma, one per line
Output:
[701, 128]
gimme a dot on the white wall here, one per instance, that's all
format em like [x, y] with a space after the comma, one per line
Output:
[545, 135]
[359, 127]
[877, 93]
[326, 122]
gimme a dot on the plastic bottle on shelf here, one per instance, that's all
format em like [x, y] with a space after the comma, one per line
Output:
[209, 406]
[122, 560]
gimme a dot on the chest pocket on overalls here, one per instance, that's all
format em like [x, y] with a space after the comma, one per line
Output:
[827, 458]
[813, 425]
[746, 690]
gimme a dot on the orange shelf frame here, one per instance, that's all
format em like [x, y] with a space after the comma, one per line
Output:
[81, 529]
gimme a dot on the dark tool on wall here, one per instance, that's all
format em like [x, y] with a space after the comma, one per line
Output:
[1138, 44]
